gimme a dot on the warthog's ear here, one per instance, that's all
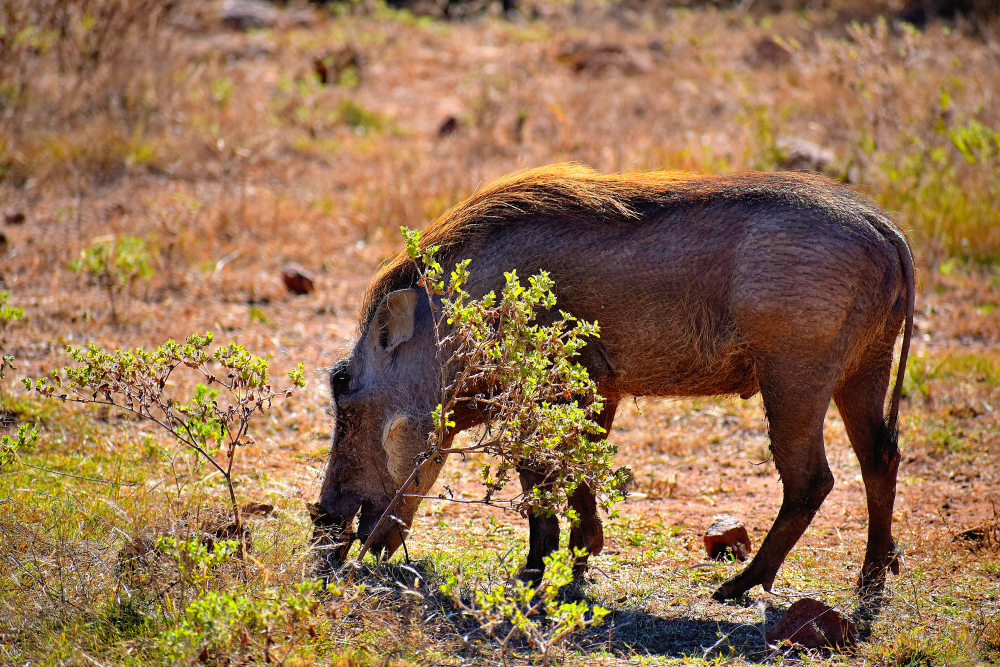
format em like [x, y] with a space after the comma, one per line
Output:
[394, 318]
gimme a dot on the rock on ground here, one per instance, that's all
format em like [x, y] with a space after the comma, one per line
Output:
[813, 624]
[297, 280]
[727, 534]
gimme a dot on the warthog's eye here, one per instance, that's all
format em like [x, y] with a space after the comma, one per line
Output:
[340, 382]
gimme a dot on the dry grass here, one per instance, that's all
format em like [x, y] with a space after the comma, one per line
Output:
[226, 153]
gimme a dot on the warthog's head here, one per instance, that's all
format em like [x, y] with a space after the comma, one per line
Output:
[384, 392]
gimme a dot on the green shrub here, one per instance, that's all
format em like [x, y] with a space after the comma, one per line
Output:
[11, 445]
[114, 264]
[253, 627]
[538, 614]
[136, 381]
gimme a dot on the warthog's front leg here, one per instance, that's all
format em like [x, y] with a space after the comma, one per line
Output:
[588, 533]
[543, 532]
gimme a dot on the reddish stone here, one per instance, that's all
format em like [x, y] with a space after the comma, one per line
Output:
[297, 280]
[813, 624]
[727, 534]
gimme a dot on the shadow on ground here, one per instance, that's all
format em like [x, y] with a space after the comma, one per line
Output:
[633, 633]
[626, 633]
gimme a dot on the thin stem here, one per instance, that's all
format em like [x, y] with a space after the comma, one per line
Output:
[148, 415]
[392, 505]
[69, 474]
[507, 504]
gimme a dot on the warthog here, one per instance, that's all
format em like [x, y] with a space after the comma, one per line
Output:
[788, 284]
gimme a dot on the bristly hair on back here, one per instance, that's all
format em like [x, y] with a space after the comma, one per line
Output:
[572, 191]
[563, 190]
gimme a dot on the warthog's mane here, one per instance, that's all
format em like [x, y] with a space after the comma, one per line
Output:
[570, 192]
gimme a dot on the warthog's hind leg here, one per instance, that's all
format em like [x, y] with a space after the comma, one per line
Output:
[859, 399]
[795, 408]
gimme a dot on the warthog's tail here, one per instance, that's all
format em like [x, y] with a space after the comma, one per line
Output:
[887, 446]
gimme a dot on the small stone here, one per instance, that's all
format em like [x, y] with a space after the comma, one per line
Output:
[248, 14]
[727, 534]
[14, 217]
[297, 280]
[774, 51]
[258, 509]
[604, 57]
[800, 154]
[813, 624]
[448, 127]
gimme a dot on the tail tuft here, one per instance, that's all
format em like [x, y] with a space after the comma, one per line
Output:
[887, 443]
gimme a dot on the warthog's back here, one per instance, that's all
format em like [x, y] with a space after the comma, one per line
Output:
[691, 278]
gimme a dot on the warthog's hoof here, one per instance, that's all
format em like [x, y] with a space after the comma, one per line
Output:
[531, 575]
[724, 592]
[741, 583]
[730, 590]
[871, 594]
[871, 582]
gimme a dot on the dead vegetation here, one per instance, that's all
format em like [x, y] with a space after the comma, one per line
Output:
[232, 154]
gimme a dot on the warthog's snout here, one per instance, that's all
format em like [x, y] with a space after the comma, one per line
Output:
[332, 534]
[389, 536]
